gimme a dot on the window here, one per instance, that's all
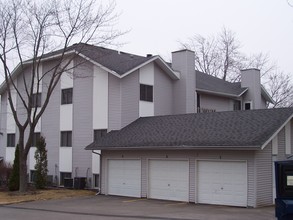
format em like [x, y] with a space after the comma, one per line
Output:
[66, 139]
[146, 93]
[10, 140]
[247, 106]
[36, 100]
[236, 105]
[64, 175]
[99, 133]
[197, 100]
[96, 180]
[36, 138]
[66, 96]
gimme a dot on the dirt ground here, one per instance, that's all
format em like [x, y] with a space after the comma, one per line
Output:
[16, 197]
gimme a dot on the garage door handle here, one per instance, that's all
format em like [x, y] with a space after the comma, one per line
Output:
[222, 188]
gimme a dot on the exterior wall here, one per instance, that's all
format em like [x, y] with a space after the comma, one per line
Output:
[129, 98]
[215, 103]
[51, 125]
[250, 79]
[66, 122]
[184, 89]
[281, 145]
[163, 92]
[82, 133]
[264, 176]
[114, 120]
[146, 77]
[193, 156]
[3, 125]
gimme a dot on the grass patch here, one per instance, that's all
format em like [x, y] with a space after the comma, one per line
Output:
[16, 197]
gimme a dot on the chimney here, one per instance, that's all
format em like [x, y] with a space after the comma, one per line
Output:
[250, 78]
[184, 88]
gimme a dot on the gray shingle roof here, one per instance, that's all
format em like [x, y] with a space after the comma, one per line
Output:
[237, 129]
[213, 84]
[120, 62]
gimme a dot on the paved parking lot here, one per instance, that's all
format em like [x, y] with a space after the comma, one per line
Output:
[119, 208]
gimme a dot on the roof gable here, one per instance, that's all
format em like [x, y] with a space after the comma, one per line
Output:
[237, 129]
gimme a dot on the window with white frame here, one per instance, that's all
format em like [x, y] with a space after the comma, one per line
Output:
[146, 93]
[66, 139]
[11, 140]
[36, 138]
[247, 106]
[36, 100]
[66, 96]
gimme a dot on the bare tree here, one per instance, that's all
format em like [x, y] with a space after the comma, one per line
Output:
[280, 88]
[29, 32]
[221, 57]
[218, 55]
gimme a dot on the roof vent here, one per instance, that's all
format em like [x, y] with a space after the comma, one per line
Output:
[149, 55]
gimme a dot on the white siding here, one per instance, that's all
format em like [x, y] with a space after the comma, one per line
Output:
[96, 162]
[65, 159]
[146, 76]
[100, 99]
[9, 157]
[11, 126]
[32, 160]
[275, 145]
[66, 117]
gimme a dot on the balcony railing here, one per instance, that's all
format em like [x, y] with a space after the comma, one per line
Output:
[205, 110]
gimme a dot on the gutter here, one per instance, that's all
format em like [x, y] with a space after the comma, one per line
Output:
[221, 93]
[181, 147]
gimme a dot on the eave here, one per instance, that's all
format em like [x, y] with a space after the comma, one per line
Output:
[181, 147]
[229, 95]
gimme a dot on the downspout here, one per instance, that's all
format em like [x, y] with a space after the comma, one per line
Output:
[100, 174]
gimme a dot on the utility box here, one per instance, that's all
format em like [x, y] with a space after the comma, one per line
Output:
[79, 182]
[284, 190]
[68, 183]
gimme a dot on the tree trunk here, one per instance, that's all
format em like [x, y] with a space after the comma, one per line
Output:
[22, 164]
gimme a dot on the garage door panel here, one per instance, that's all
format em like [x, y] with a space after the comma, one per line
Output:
[222, 182]
[168, 179]
[124, 177]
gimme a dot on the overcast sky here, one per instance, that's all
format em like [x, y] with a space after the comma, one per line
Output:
[156, 26]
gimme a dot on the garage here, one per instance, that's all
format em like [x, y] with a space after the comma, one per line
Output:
[222, 182]
[124, 177]
[168, 179]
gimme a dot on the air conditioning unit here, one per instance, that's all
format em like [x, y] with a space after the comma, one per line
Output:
[79, 182]
[68, 183]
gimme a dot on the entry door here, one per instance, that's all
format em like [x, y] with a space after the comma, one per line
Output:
[124, 178]
[168, 180]
[222, 183]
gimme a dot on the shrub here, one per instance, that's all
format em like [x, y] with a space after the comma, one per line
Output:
[41, 166]
[5, 171]
[13, 183]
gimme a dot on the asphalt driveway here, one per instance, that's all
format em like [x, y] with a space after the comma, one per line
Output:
[118, 208]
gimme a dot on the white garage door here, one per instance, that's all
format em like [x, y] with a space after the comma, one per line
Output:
[124, 178]
[168, 179]
[222, 183]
